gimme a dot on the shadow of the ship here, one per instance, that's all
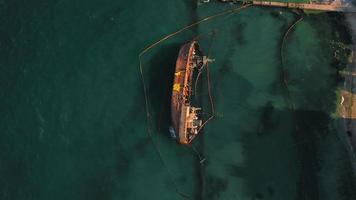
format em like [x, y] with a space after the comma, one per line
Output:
[160, 78]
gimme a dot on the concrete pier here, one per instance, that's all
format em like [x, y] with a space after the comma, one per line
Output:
[335, 6]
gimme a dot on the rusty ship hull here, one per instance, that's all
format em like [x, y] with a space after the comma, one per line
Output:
[185, 119]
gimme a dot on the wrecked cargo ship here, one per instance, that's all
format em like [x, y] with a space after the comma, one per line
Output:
[186, 120]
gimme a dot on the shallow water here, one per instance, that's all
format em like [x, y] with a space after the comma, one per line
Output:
[73, 122]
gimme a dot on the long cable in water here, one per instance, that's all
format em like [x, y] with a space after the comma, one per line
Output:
[192, 25]
[285, 81]
[210, 99]
[202, 67]
[209, 89]
[202, 159]
[148, 115]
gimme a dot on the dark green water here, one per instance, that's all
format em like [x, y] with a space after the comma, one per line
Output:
[73, 121]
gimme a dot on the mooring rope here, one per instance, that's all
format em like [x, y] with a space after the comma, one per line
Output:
[192, 25]
[202, 67]
[284, 71]
[209, 86]
[210, 99]
[148, 115]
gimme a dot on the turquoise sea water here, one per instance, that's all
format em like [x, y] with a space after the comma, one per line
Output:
[73, 122]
